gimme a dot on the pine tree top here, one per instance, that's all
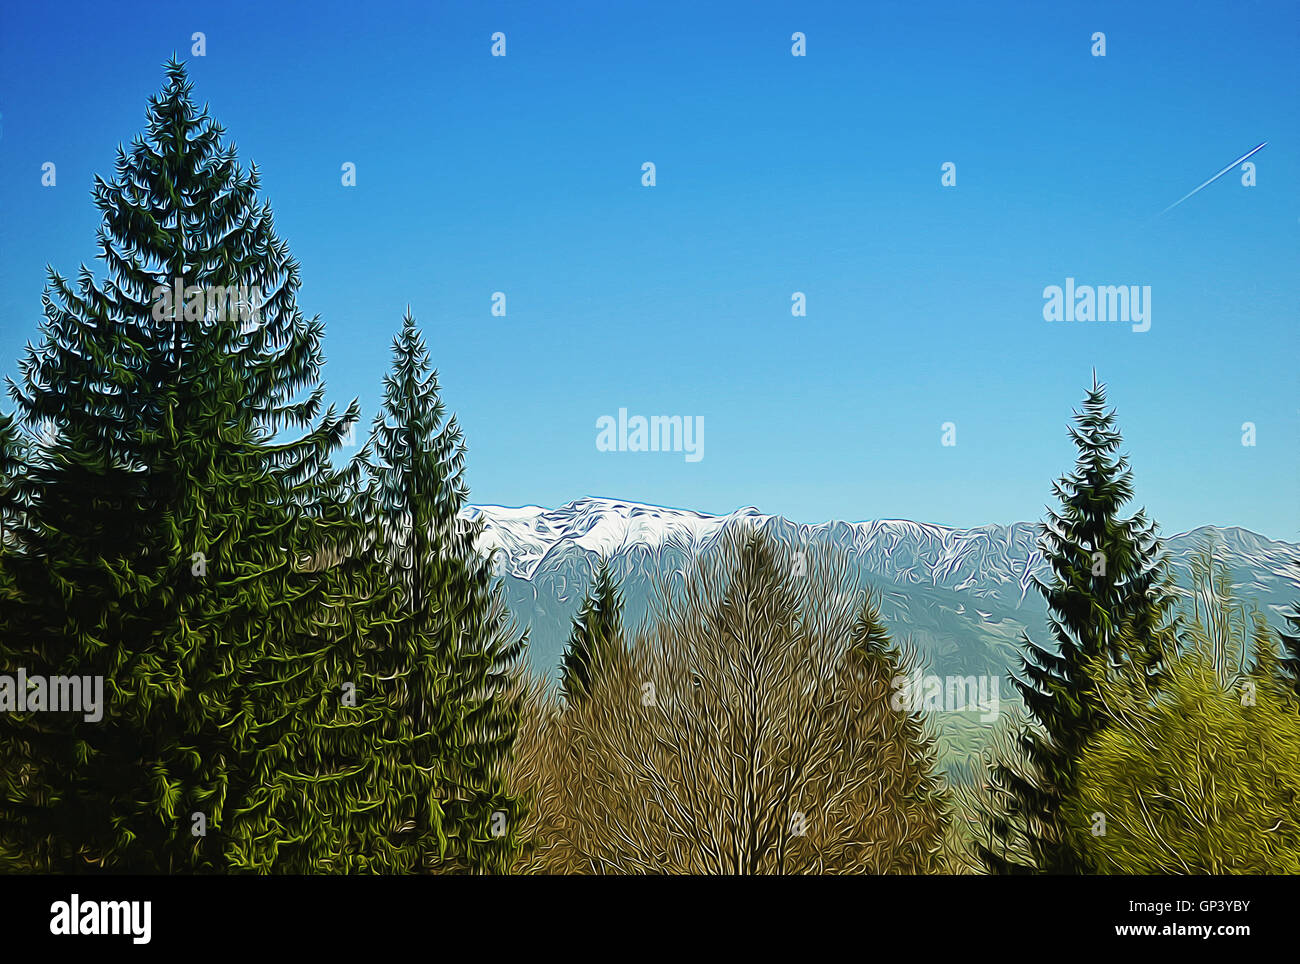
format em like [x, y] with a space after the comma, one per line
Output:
[597, 629]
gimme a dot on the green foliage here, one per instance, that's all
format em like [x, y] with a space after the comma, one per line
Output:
[1201, 775]
[318, 663]
[322, 674]
[597, 631]
[13, 471]
[1200, 779]
[1109, 603]
[448, 655]
[171, 516]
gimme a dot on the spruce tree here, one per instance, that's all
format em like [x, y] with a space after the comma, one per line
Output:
[14, 758]
[597, 630]
[13, 471]
[1109, 601]
[173, 517]
[451, 651]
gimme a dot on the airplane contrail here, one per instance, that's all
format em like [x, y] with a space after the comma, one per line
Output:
[1213, 179]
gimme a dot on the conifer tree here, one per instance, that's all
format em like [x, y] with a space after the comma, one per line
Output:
[171, 516]
[13, 469]
[597, 630]
[451, 650]
[14, 758]
[1109, 601]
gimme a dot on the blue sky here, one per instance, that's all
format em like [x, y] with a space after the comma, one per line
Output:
[775, 174]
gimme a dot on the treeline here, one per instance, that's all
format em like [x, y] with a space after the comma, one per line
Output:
[308, 668]
[753, 727]
[1161, 736]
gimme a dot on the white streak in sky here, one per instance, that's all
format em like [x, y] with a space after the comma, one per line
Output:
[1213, 179]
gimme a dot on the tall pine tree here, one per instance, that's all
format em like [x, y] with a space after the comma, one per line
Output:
[597, 629]
[172, 517]
[451, 651]
[1109, 602]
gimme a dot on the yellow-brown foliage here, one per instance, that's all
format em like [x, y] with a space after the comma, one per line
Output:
[750, 731]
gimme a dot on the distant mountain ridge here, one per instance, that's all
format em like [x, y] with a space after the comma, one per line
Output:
[962, 596]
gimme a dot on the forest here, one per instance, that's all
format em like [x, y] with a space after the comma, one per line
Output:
[305, 665]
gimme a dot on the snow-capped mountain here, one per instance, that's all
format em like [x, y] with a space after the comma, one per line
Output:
[962, 596]
[528, 539]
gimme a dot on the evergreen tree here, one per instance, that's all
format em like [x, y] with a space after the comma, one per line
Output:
[1109, 602]
[451, 650]
[13, 470]
[597, 630]
[164, 549]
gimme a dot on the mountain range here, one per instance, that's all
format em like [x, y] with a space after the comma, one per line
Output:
[962, 597]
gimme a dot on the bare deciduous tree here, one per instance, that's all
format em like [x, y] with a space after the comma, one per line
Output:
[751, 731]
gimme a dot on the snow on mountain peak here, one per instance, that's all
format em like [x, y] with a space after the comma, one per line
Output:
[528, 534]
[964, 595]
[529, 538]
